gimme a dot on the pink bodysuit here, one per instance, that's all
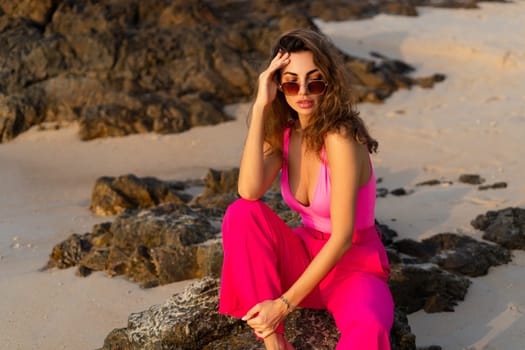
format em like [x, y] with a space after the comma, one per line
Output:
[317, 214]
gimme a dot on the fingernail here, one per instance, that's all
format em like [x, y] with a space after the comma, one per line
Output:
[244, 318]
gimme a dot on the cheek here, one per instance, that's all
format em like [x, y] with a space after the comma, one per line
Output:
[289, 100]
[317, 100]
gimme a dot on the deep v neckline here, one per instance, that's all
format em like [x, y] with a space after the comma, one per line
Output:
[287, 174]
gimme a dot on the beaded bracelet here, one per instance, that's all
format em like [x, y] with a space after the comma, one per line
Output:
[286, 302]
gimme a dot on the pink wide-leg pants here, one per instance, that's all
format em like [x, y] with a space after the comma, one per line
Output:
[263, 257]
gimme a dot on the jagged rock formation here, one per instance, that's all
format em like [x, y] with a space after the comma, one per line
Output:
[172, 242]
[456, 253]
[111, 196]
[160, 245]
[126, 66]
[505, 227]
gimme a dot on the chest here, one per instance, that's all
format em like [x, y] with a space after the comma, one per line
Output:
[304, 169]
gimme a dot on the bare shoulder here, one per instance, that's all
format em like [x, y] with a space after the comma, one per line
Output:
[348, 160]
[338, 143]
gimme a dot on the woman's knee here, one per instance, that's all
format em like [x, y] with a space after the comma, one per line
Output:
[240, 206]
[239, 215]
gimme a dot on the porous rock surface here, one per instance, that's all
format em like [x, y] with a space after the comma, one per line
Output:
[113, 195]
[159, 245]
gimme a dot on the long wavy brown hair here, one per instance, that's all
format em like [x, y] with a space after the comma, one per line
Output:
[336, 111]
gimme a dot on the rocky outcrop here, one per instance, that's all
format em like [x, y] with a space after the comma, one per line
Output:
[172, 242]
[456, 253]
[120, 67]
[472, 179]
[189, 321]
[160, 245]
[426, 286]
[111, 196]
[220, 189]
[505, 227]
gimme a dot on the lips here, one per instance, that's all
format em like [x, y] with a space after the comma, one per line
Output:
[305, 104]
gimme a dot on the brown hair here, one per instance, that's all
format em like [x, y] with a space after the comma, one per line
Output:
[336, 111]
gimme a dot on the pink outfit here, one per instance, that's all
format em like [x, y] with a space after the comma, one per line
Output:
[263, 257]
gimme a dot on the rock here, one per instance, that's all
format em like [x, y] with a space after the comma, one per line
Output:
[381, 192]
[190, 321]
[455, 253]
[120, 67]
[401, 336]
[434, 182]
[449, 3]
[428, 82]
[495, 185]
[505, 227]
[387, 234]
[471, 179]
[400, 192]
[17, 114]
[111, 196]
[156, 246]
[38, 11]
[69, 252]
[336, 10]
[157, 115]
[220, 189]
[425, 286]
[429, 183]
[171, 242]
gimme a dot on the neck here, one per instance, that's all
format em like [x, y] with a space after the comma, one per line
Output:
[301, 123]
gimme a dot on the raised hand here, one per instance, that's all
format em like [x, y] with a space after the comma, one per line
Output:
[267, 84]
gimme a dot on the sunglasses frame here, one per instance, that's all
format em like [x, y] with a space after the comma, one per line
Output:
[307, 88]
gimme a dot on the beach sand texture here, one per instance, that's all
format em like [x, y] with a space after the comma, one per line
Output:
[473, 122]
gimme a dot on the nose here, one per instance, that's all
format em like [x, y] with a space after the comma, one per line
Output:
[303, 88]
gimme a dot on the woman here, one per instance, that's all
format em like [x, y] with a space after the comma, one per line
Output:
[303, 124]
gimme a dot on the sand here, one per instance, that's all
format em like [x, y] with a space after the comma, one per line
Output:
[473, 122]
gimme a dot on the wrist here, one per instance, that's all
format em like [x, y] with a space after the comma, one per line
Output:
[260, 106]
[286, 303]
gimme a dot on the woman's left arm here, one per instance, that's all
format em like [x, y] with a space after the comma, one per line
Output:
[346, 159]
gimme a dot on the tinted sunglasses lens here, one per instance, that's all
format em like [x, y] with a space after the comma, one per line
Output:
[290, 88]
[316, 87]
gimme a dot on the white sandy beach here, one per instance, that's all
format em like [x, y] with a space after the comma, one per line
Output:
[473, 122]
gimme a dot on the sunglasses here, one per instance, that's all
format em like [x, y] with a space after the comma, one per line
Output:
[314, 87]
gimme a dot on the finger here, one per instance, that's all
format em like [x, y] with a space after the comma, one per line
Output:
[281, 57]
[263, 334]
[255, 322]
[251, 313]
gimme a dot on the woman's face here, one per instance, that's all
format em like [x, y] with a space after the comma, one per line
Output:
[302, 70]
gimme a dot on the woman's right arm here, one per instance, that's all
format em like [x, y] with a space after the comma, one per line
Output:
[259, 163]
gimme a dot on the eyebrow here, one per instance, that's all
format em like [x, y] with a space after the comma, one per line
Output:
[307, 74]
